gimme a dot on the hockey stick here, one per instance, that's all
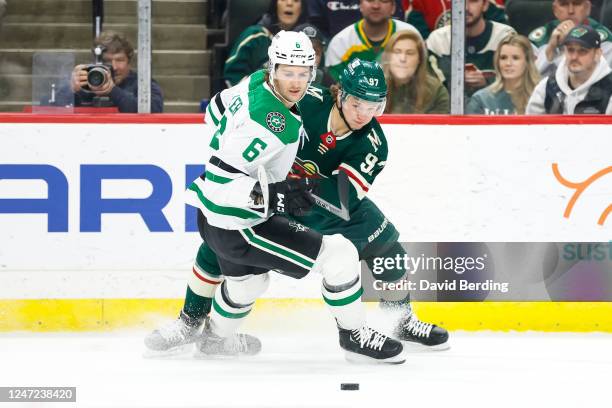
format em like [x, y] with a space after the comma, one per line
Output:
[343, 195]
[262, 177]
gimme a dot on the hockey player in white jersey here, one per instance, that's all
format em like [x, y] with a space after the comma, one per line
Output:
[243, 194]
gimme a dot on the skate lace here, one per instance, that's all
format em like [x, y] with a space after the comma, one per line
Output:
[176, 330]
[417, 327]
[369, 337]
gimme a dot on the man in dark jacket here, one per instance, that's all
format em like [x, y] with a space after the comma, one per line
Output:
[121, 87]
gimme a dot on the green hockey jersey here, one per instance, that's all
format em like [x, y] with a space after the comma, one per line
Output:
[249, 53]
[361, 154]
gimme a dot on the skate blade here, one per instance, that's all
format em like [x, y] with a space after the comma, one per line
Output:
[361, 359]
[414, 347]
[170, 353]
[203, 356]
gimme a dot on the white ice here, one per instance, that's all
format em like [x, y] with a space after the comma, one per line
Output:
[305, 367]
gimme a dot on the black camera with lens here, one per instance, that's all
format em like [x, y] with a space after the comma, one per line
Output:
[98, 73]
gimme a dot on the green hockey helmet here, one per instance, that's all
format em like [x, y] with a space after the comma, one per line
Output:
[364, 80]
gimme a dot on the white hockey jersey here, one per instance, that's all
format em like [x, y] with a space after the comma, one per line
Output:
[255, 130]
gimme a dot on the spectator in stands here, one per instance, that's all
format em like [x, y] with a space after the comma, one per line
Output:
[516, 77]
[121, 87]
[411, 88]
[367, 38]
[583, 81]
[333, 16]
[547, 39]
[427, 15]
[482, 38]
[319, 43]
[250, 50]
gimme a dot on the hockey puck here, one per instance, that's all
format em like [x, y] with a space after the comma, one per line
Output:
[349, 386]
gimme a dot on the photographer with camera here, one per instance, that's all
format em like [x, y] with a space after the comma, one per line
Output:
[110, 81]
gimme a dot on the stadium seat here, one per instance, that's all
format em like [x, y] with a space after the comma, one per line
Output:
[606, 14]
[527, 15]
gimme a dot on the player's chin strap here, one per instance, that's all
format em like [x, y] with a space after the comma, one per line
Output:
[339, 107]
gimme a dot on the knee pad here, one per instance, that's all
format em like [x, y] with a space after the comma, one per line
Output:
[245, 290]
[338, 261]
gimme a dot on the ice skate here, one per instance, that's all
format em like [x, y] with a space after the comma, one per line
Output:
[238, 344]
[414, 332]
[174, 336]
[366, 345]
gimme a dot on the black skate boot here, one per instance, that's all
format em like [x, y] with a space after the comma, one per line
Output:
[412, 331]
[175, 335]
[238, 344]
[366, 345]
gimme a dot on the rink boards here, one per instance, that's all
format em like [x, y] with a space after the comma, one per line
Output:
[96, 235]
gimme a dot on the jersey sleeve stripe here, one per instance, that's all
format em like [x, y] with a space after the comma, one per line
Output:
[354, 175]
[217, 179]
[210, 114]
[231, 211]
[215, 161]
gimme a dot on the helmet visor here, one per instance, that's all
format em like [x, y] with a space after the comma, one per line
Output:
[291, 73]
[363, 107]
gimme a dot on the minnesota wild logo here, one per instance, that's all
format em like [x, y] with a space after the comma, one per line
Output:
[275, 121]
[579, 32]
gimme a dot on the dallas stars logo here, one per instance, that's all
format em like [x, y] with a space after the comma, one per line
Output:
[275, 121]
[297, 227]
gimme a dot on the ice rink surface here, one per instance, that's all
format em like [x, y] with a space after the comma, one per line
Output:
[304, 368]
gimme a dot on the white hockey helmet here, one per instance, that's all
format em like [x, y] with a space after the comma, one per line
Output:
[291, 48]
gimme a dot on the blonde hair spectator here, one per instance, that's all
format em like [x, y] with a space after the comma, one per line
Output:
[412, 89]
[516, 78]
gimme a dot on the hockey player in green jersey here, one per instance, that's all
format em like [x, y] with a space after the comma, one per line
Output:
[246, 201]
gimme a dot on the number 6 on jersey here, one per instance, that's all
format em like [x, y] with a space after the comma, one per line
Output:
[253, 150]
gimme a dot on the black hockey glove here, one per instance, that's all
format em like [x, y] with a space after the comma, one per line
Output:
[292, 196]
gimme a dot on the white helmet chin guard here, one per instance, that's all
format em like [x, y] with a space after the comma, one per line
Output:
[291, 48]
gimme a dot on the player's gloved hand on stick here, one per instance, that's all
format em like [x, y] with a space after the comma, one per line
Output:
[292, 196]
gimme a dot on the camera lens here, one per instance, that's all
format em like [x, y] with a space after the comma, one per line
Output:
[95, 77]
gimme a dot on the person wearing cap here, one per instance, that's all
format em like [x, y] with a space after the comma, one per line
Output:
[582, 83]
[547, 39]
[319, 43]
